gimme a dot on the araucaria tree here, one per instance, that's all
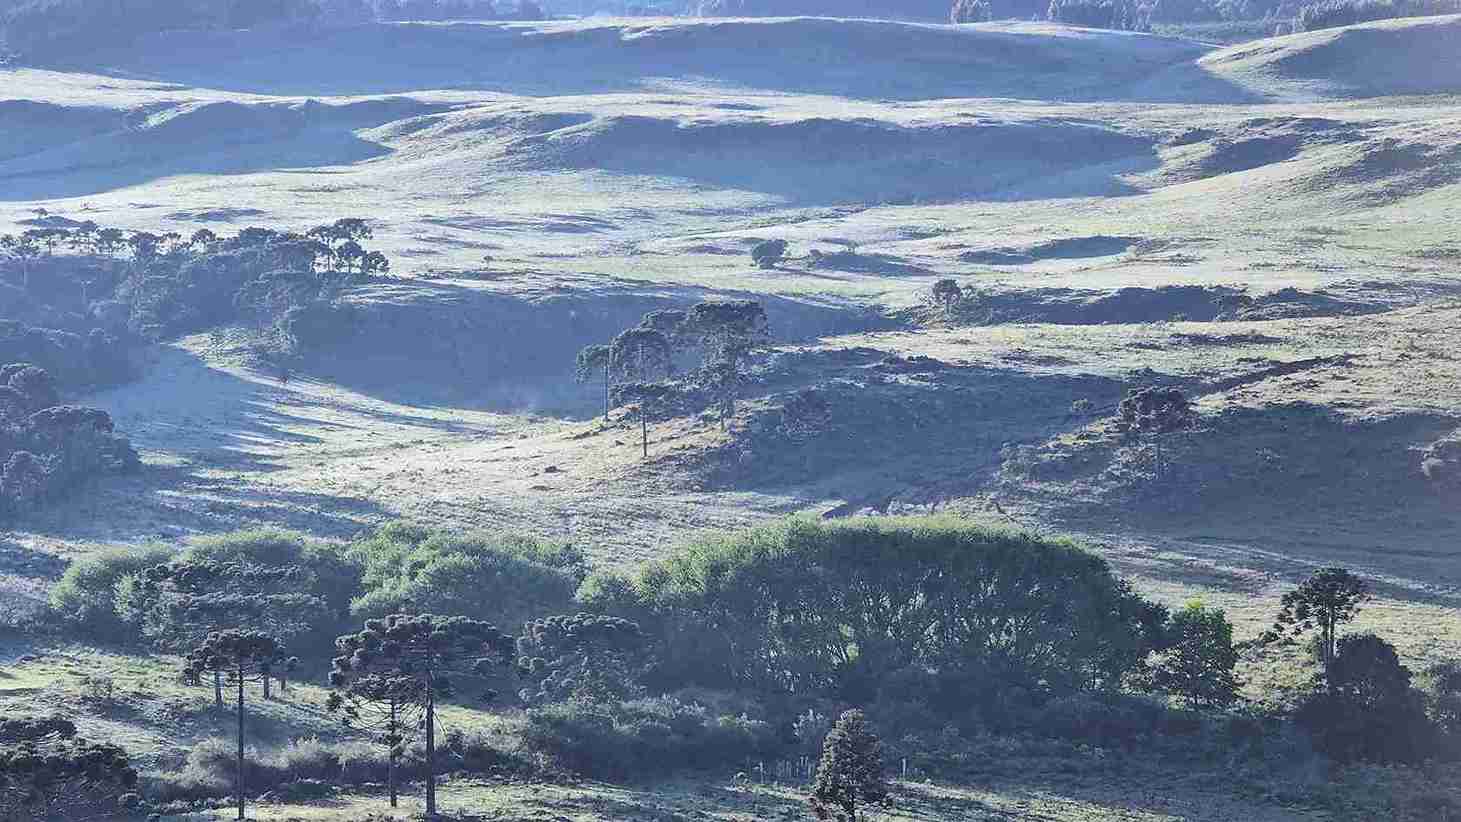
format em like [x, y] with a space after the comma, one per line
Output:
[583, 657]
[649, 400]
[1326, 600]
[178, 604]
[593, 361]
[434, 651]
[641, 355]
[728, 332]
[388, 707]
[850, 775]
[1197, 665]
[947, 294]
[244, 656]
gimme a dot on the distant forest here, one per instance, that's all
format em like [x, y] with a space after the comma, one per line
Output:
[47, 29]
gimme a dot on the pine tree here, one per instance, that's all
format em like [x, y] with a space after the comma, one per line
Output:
[850, 775]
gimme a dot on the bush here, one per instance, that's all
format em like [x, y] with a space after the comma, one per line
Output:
[83, 596]
[1366, 709]
[1105, 721]
[784, 609]
[503, 579]
[645, 736]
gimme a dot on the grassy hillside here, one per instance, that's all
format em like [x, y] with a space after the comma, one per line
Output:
[1265, 227]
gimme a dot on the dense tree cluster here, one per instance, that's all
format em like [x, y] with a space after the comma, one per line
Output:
[928, 624]
[48, 449]
[638, 366]
[436, 652]
[141, 284]
[782, 609]
[1334, 13]
[582, 657]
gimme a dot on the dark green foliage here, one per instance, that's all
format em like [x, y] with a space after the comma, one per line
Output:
[646, 736]
[1328, 599]
[64, 778]
[789, 608]
[83, 597]
[850, 774]
[641, 354]
[35, 729]
[594, 362]
[1366, 708]
[946, 294]
[1334, 13]
[1100, 14]
[436, 651]
[1155, 411]
[1197, 665]
[297, 590]
[501, 578]
[583, 657]
[1445, 696]
[768, 253]
[727, 332]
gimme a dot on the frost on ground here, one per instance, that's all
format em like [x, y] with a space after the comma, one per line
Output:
[1269, 226]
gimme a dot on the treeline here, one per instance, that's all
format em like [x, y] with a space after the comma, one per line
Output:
[43, 28]
[1143, 15]
[80, 291]
[1335, 13]
[963, 644]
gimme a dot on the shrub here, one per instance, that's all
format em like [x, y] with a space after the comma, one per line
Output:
[616, 741]
[502, 579]
[784, 608]
[83, 596]
[768, 253]
[1366, 709]
[1106, 721]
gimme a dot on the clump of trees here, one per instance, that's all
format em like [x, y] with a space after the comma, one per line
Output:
[638, 367]
[1334, 13]
[768, 253]
[582, 657]
[155, 285]
[781, 609]
[434, 652]
[48, 449]
[242, 657]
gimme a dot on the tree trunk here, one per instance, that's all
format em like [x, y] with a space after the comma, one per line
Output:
[430, 748]
[218, 689]
[266, 683]
[240, 786]
[644, 432]
[606, 392]
[391, 756]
